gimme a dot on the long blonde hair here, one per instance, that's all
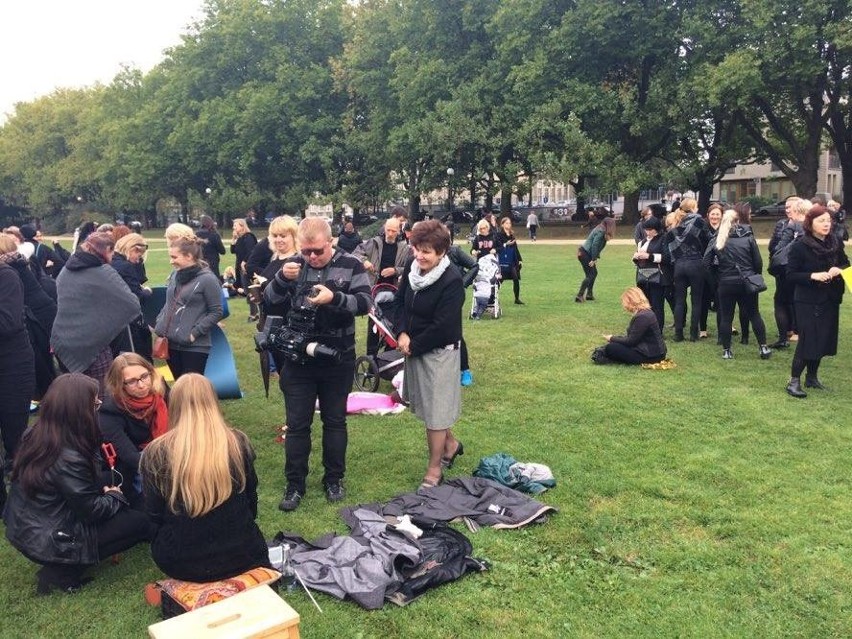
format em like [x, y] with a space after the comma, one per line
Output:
[196, 464]
[729, 219]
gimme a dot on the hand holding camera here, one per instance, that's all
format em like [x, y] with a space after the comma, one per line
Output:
[291, 270]
[320, 295]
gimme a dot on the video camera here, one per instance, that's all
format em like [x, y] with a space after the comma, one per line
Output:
[296, 336]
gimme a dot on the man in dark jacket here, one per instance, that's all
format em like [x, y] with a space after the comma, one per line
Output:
[327, 288]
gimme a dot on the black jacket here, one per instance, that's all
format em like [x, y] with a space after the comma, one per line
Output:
[689, 239]
[127, 434]
[258, 259]
[59, 524]
[349, 241]
[739, 257]
[643, 334]
[242, 249]
[212, 248]
[432, 315]
[133, 275]
[803, 260]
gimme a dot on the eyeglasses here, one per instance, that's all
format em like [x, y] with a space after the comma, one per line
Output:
[98, 404]
[307, 252]
[135, 381]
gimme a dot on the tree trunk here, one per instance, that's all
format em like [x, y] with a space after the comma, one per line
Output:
[631, 208]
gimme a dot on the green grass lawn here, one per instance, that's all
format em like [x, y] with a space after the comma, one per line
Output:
[700, 501]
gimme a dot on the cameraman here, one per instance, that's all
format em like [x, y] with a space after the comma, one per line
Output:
[336, 286]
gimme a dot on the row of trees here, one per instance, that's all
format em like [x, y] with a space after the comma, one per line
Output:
[268, 102]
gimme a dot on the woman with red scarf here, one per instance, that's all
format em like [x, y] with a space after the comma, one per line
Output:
[133, 414]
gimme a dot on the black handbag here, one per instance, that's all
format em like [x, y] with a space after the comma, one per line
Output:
[754, 283]
[649, 275]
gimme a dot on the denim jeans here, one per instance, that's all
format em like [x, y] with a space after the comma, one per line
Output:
[302, 385]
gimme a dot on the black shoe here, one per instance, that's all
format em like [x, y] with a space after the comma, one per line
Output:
[579, 299]
[678, 337]
[813, 382]
[794, 388]
[727, 354]
[744, 340]
[291, 501]
[334, 491]
[447, 462]
[590, 298]
[50, 580]
[781, 343]
[519, 302]
[765, 352]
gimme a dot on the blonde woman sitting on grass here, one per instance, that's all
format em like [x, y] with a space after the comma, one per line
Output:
[200, 489]
[643, 343]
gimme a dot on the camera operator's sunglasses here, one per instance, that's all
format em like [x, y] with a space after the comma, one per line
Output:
[307, 252]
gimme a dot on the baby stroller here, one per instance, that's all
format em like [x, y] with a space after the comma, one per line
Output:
[486, 288]
[370, 369]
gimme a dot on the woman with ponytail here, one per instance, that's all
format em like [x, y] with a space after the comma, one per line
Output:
[738, 256]
[200, 489]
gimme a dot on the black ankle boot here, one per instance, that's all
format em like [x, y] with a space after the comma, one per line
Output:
[794, 388]
[813, 382]
[765, 352]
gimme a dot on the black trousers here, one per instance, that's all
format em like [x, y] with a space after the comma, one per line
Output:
[688, 274]
[732, 293]
[627, 354]
[181, 362]
[656, 294]
[590, 274]
[118, 533]
[303, 385]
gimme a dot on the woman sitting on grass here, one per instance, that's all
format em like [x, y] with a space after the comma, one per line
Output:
[643, 343]
[200, 489]
[59, 513]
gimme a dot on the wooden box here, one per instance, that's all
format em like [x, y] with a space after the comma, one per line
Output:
[252, 614]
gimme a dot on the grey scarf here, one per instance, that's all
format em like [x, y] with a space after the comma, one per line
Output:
[419, 280]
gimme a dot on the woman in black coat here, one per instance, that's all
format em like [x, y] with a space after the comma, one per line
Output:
[243, 242]
[651, 258]
[213, 246]
[17, 370]
[59, 514]
[814, 268]
[40, 312]
[737, 255]
[128, 261]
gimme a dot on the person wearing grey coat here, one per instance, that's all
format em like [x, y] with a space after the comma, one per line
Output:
[193, 307]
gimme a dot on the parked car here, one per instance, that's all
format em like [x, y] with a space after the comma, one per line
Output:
[779, 209]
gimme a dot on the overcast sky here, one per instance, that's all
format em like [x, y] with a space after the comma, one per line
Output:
[48, 44]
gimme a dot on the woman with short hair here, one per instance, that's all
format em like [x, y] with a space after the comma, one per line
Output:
[59, 513]
[129, 261]
[134, 413]
[431, 297]
[643, 343]
[687, 246]
[200, 490]
[814, 267]
[94, 305]
[193, 307]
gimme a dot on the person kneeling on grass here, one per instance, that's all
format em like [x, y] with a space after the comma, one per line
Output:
[643, 343]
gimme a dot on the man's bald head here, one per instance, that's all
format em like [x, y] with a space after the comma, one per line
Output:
[391, 230]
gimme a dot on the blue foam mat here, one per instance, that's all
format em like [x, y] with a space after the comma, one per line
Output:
[221, 368]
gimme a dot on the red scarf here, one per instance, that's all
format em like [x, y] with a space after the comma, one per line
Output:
[152, 410]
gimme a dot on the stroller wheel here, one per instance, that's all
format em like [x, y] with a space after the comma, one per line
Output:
[366, 374]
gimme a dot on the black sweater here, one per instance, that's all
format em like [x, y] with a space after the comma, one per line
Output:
[432, 315]
[221, 544]
[643, 334]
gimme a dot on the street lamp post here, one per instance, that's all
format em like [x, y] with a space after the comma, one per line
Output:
[450, 173]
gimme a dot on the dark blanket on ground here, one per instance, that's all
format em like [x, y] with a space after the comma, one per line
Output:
[483, 501]
[377, 563]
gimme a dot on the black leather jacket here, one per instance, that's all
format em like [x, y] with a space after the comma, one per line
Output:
[689, 239]
[740, 256]
[58, 524]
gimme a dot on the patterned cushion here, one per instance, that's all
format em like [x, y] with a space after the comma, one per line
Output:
[190, 595]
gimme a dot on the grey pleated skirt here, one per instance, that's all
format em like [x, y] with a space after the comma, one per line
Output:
[432, 388]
